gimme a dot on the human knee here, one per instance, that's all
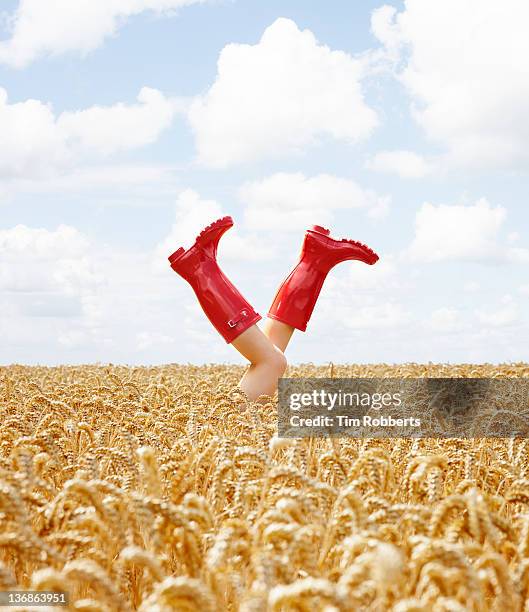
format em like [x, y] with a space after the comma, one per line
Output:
[278, 361]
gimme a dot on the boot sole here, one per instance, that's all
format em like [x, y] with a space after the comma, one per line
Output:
[370, 257]
[214, 230]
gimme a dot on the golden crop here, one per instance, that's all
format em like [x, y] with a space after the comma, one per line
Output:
[161, 488]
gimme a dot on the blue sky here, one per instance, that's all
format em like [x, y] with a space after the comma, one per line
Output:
[357, 116]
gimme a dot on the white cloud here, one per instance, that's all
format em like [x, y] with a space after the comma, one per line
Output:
[73, 338]
[386, 30]
[35, 142]
[148, 339]
[109, 129]
[279, 96]
[65, 241]
[130, 185]
[471, 286]
[376, 316]
[471, 95]
[372, 314]
[290, 201]
[519, 255]
[69, 299]
[458, 233]
[31, 141]
[50, 28]
[47, 274]
[364, 297]
[75, 276]
[406, 164]
[445, 319]
[53, 262]
[502, 316]
[93, 177]
[192, 215]
[524, 289]
[384, 276]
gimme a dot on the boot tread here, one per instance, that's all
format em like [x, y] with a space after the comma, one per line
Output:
[227, 220]
[361, 245]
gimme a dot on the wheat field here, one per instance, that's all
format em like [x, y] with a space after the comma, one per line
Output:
[162, 488]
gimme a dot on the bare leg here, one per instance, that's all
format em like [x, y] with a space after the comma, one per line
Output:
[267, 363]
[279, 333]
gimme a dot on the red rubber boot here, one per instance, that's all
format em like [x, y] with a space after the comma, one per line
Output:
[297, 295]
[224, 306]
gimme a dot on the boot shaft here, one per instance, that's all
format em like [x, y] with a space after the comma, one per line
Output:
[298, 293]
[296, 298]
[226, 308]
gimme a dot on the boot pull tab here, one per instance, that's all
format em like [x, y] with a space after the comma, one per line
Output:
[238, 318]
